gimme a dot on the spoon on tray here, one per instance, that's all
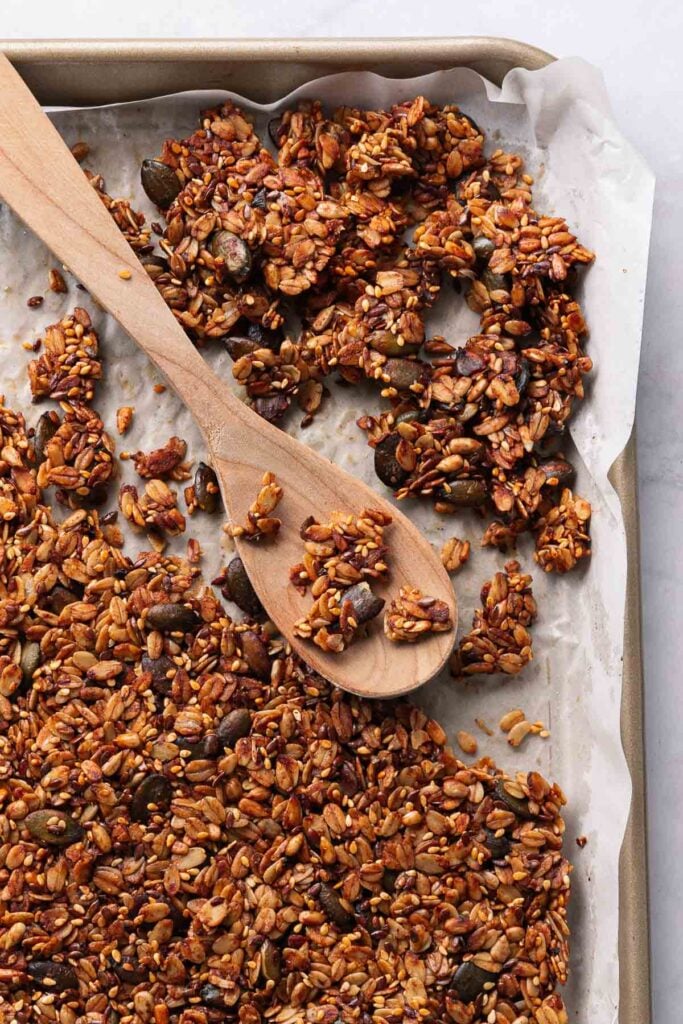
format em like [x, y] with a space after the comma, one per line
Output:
[41, 181]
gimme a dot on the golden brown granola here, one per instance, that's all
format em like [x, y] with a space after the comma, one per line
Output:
[260, 521]
[499, 640]
[155, 511]
[562, 534]
[413, 615]
[166, 462]
[79, 458]
[68, 366]
[454, 554]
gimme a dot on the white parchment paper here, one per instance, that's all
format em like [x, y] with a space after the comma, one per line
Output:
[559, 119]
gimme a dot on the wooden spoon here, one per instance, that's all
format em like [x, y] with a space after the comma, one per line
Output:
[43, 184]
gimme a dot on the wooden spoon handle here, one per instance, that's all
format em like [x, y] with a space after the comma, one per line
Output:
[41, 181]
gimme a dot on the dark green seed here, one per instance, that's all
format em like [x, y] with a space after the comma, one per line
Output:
[234, 253]
[155, 789]
[483, 248]
[234, 726]
[403, 373]
[260, 200]
[46, 428]
[240, 588]
[559, 470]
[366, 605]
[265, 337]
[271, 407]
[387, 468]
[513, 803]
[469, 981]
[389, 879]
[410, 416]
[154, 265]
[498, 846]
[238, 347]
[206, 489]
[172, 618]
[160, 182]
[255, 653]
[211, 995]
[270, 961]
[550, 443]
[29, 661]
[55, 977]
[495, 282]
[130, 973]
[334, 908]
[52, 827]
[468, 363]
[159, 668]
[388, 344]
[205, 749]
[274, 130]
[58, 599]
[464, 493]
[523, 376]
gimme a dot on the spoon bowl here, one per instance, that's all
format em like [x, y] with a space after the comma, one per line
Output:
[43, 184]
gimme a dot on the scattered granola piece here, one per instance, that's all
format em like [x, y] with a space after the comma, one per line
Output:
[156, 511]
[56, 281]
[339, 559]
[79, 151]
[455, 553]
[511, 718]
[78, 458]
[467, 742]
[35, 301]
[68, 367]
[194, 551]
[164, 463]
[581, 841]
[159, 389]
[563, 534]
[518, 732]
[412, 615]
[483, 726]
[260, 521]
[124, 418]
[499, 640]
[125, 274]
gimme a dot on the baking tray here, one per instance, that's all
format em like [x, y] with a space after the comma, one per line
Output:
[91, 72]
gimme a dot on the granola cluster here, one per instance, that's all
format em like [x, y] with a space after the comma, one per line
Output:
[340, 559]
[68, 366]
[499, 640]
[260, 521]
[318, 230]
[195, 827]
[412, 615]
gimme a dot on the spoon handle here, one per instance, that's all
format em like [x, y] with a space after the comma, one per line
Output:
[41, 181]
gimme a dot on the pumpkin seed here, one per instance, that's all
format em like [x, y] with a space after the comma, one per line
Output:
[498, 846]
[551, 442]
[255, 653]
[410, 416]
[207, 748]
[154, 265]
[260, 200]
[495, 282]
[206, 489]
[237, 347]
[389, 345]
[131, 973]
[335, 909]
[271, 407]
[54, 976]
[366, 605]
[483, 248]
[159, 668]
[270, 961]
[513, 803]
[46, 428]
[469, 981]
[523, 376]
[464, 493]
[29, 661]
[156, 790]
[274, 130]
[58, 599]
[264, 337]
[468, 363]
[160, 182]
[234, 726]
[172, 618]
[52, 827]
[387, 467]
[403, 373]
[240, 588]
[211, 995]
[389, 879]
[558, 470]
[235, 254]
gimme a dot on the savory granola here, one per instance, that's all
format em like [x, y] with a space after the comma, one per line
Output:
[413, 615]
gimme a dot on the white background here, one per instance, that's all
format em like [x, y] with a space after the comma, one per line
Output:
[637, 44]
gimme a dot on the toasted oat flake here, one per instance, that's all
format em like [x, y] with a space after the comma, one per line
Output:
[467, 742]
[260, 521]
[455, 553]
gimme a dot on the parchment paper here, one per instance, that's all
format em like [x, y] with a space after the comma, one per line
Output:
[559, 119]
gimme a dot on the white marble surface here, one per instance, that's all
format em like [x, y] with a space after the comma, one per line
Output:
[637, 44]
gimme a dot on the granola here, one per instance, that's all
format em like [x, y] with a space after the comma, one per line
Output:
[499, 640]
[562, 536]
[413, 615]
[340, 558]
[165, 462]
[68, 366]
[260, 521]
